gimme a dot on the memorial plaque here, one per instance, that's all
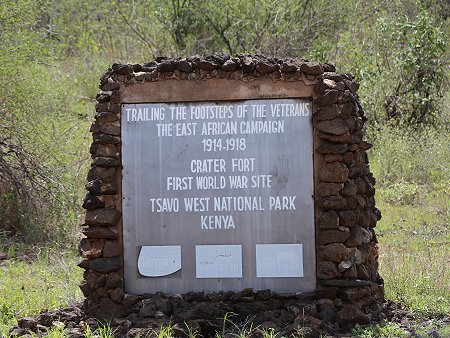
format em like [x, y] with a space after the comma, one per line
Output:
[218, 196]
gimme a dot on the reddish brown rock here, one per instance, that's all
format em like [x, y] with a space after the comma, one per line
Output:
[346, 110]
[332, 236]
[329, 97]
[335, 252]
[106, 139]
[113, 280]
[328, 158]
[354, 293]
[99, 232]
[106, 162]
[349, 316]
[328, 220]
[333, 76]
[92, 202]
[327, 270]
[355, 256]
[352, 202]
[361, 272]
[106, 117]
[313, 68]
[308, 326]
[102, 217]
[327, 113]
[97, 187]
[116, 294]
[344, 266]
[347, 218]
[349, 189]
[365, 146]
[108, 86]
[331, 202]
[336, 126]
[90, 248]
[106, 150]
[109, 309]
[356, 172]
[247, 64]
[344, 138]
[104, 174]
[356, 236]
[369, 252]
[332, 148]
[110, 129]
[334, 172]
[104, 265]
[184, 66]
[112, 248]
[208, 65]
[266, 67]
[329, 189]
[351, 273]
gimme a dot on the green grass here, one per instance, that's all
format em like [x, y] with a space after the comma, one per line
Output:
[44, 279]
[413, 193]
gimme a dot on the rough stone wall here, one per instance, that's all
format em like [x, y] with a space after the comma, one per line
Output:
[349, 289]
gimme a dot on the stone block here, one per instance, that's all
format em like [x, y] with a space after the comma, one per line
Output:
[331, 202]
[344, 266]
[110, 129]
[334, 172]
[313, 68]
[104, 265]
[354, 293]
[102, 217]
[112, 248]
[327, 292]
[332, 148]
[106, 117]
[102, 173]
[328, 220]
[106, 162]
[99, 232]
[326, 113]
[328, 158]
[349, 189]
[349, 316]
[92, 202]
[351, 273]
[344, 138]
[106, 139]
[329, 189]
[97, 187]
[327, 270]
[347, 218]
[332, 236]
[361, 272]
[336, 126]
[356, 236]
[335, 252]
[108, 86]
[329, 97]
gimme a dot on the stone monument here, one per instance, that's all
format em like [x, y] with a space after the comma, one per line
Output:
[231, 177]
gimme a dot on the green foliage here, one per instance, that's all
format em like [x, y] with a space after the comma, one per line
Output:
[50, 280]
[417, 48]
[386, 330]
[417, 160]
[411, 167]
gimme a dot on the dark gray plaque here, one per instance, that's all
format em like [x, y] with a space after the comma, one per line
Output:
[218, 196]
